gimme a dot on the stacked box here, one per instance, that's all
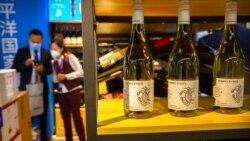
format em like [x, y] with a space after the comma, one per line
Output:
[10, 127]
[8, 86]
[17, 137]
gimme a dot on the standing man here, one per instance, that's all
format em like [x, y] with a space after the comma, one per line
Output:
[32, 61]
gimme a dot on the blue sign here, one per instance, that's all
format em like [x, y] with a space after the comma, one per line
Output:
[65, 10]
[8, 33]
[16, 21]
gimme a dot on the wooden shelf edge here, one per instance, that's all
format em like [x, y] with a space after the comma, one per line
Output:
[73, 45]
[170, 129]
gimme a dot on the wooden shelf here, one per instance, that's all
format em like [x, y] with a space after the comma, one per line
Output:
[74, 45]
[111, 119]
[111, 124]
[68, 22]
[168, 8]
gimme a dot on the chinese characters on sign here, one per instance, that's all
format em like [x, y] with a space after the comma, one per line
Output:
[8, 32]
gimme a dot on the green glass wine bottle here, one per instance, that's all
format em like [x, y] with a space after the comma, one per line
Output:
[183, 68]
[229, 63]
[138, 69]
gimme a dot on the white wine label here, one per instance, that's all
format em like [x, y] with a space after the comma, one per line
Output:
[231, 12]
[138, 16]
[138, 95]
[183, 12]
[228, 92]
[183, 95]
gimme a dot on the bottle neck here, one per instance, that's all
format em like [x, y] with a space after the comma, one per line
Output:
[230, 21]
[183, 12]
[138, 29]
[183, 31]
[138, 13]
[138, 33]
[230, 31]
[231, 12]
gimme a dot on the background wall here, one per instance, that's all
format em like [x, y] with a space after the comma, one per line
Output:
[17, 18]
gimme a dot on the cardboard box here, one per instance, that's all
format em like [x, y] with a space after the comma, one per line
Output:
[24, 116]
[10, 121]
[36, 105]
[60, 126]
[17, 137]
[8, 86]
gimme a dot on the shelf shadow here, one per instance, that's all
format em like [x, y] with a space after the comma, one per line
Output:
[206, 105]
[111, 120]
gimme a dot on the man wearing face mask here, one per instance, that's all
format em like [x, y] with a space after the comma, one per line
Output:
[34, 64]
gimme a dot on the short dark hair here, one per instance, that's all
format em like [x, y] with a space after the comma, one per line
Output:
[36, 32]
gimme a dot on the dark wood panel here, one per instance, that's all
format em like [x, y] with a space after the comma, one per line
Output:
[168, 7]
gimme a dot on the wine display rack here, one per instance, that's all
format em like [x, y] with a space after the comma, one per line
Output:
[100, 129]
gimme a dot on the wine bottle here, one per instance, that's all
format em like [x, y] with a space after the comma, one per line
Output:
[183, 68]
[67, 35]
[57, 29]
[73, 35]
[61, 30]
[79, 35]
[138, 81]
[111, 59]
[229, 62]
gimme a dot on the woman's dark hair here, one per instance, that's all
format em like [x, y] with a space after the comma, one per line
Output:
[58, 40]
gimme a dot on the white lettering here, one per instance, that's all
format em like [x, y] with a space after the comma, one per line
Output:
[8, 60]
[9, 28]
[7, 9]
[9, 45]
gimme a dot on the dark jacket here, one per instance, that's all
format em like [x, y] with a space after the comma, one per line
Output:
[25, 71]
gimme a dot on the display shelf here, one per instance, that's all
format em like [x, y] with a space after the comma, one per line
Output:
[167, 8]
[69, 22]
[111, 119]
[90, 72]
[74, 45]
[111, 124]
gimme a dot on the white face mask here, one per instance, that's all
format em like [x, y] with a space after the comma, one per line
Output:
[54, 54]
[35, 46]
